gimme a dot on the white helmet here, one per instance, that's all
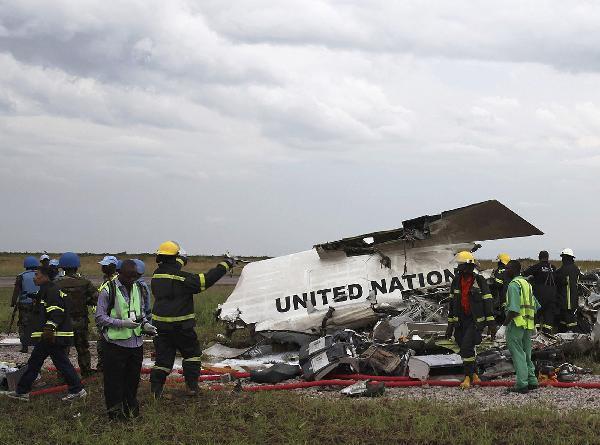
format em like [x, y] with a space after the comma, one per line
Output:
[568, 252]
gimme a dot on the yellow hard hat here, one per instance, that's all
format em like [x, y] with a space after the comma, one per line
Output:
[168, 248]
[504, 258]
[465, 257]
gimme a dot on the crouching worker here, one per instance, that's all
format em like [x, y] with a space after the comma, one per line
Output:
[521, 306]
[52, 334]
[120, 316]
[471, 310]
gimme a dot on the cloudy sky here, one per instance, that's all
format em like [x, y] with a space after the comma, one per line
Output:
[266, 126]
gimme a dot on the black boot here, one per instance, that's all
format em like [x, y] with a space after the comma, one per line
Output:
[157, 390]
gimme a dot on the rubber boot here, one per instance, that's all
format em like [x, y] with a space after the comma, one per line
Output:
[157, 390]
[475, 380]
[466, 383]
[192, 389]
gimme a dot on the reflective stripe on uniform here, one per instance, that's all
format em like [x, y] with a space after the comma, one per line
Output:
[452, 319]
[571, 324]
[54, 308]
[57, 334]
[224, 264]
[456, 291]
[468, 359]
[52, 323]
[490, 318]
[202, 282]
[480, 319]
[498, 280]
[487, 297]
[192, 359]
[173, 319]
[160, 368]
[168, 276]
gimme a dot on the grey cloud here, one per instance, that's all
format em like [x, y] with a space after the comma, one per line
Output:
[265, 127]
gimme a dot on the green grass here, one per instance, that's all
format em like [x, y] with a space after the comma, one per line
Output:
[286, 417]
[12, 263]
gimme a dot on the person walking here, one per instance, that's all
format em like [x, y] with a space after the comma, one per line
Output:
[52, 334]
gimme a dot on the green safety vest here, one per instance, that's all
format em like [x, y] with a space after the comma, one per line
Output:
[526, 316]
[121, 310]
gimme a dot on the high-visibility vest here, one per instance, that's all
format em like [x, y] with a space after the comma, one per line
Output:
[526, 316]
[121, 310]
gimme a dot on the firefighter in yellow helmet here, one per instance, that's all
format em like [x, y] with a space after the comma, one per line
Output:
[174, 317]
[498, 285]
[470, 311]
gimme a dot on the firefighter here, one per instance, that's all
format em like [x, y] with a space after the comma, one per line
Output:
[52, 333]
[470, 311]
[498, 285]
[23, 294]
[521, 307]
[109, 272]
[174, 317]
[544, 288]
[567, 279]
[80, 294]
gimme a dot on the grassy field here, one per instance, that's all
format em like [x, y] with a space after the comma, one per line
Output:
[287, 417]
[12, 263]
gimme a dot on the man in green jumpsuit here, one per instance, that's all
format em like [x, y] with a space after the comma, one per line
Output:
[521, 306]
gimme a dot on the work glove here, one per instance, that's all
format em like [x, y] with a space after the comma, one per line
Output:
[449, 332]
[129, 324]
[230, 260]
[48, 335]
[149, 329]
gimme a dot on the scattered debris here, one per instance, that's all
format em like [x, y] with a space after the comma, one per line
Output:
[421, 367]
[364, 388]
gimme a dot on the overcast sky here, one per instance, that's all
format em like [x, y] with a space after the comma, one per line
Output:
[264, 127]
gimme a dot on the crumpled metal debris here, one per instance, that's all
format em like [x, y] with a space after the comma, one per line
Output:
[364, 388]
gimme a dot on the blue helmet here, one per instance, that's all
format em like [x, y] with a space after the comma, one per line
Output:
[69, 260]
[30, 262]
[140, 267]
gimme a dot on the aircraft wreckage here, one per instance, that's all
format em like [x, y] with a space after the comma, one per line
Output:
[351, 282]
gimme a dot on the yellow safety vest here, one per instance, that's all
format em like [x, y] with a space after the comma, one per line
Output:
[526, 316]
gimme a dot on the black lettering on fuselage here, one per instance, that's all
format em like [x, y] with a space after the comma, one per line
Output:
[355, 295]
[379, 287]
[299, 301]
[396, 284]
[287, 304]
